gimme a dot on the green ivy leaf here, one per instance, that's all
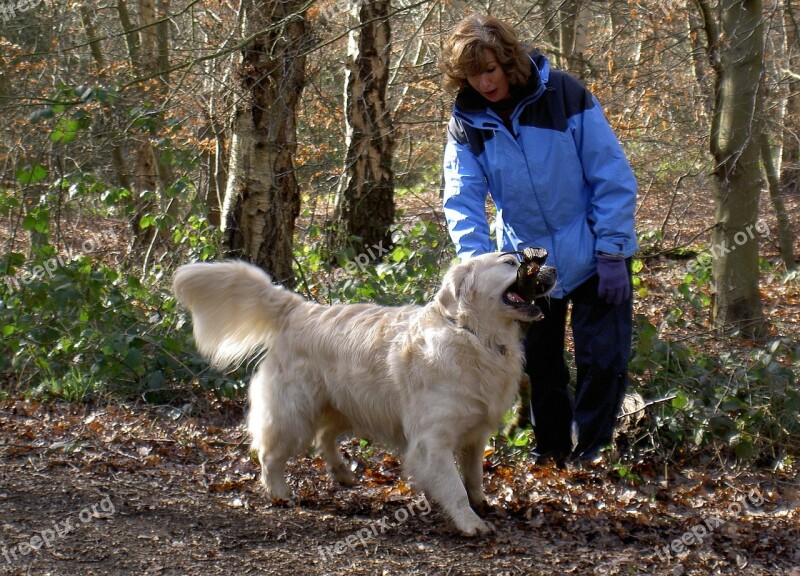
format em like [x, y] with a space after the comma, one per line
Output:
[11, 262]
[680, 401]
[37, 220]
[31, 175]
[146, 221]
[66, 130]
[744, 450]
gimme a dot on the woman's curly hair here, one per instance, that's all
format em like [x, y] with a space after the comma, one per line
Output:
[464, 53]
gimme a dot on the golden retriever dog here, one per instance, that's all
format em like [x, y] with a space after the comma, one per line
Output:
[433, 381]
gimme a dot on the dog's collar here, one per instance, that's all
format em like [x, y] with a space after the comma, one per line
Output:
[500, 348]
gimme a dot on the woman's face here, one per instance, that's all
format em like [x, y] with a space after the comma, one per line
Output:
[492, 83]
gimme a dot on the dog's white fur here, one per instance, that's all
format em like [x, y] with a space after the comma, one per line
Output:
[433, 381]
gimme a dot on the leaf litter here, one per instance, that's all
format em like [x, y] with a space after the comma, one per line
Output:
[186, 501]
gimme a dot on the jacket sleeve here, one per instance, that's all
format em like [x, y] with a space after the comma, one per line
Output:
[464, 196]
[612, 184]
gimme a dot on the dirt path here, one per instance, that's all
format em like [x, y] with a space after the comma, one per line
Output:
[114, 490]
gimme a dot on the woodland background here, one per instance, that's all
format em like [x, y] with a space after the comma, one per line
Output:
[135, 131]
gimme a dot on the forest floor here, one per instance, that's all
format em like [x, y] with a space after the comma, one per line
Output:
[119, 488]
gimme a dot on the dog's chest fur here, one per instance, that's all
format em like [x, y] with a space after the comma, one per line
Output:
[481, 370]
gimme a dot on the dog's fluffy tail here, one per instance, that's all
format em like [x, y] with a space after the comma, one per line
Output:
[235, 307]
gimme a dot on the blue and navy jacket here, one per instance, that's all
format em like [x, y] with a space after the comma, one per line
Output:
[559, 178]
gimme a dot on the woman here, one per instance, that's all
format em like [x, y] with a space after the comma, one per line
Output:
[537, 141]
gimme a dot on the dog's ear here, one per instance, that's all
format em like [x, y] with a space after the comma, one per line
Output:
[456, 290]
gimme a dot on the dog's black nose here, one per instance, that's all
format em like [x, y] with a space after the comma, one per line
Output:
[547, 275]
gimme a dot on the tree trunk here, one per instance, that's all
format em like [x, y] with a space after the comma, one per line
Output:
[214, 175]
[162, 41]
[117, 157]
[790, 170]
[365, 200]
[737, 54]
[131, 39]
[699, 65]
[212, 178]
[153, 175]
[92, 37]
[785, 232]
[262, 198]
[580, 40]
[566, 28]
[560, 28]
[145, 181]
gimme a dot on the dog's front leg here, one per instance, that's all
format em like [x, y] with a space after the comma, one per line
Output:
[471, 460]
[434, 469]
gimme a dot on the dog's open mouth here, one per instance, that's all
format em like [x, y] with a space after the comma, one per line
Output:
[528, 310]
[534, 280]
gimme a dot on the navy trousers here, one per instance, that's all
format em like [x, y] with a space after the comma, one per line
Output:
[579, 426]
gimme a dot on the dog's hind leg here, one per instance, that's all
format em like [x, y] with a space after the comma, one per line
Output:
[280, 423]
[331, 426]
[433, 467]
[273, 465]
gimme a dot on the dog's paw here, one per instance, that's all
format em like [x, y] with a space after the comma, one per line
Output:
[339, 471]
[482, 507]
[344, 477]
[286, 502]
[477, 527]
[280, 495]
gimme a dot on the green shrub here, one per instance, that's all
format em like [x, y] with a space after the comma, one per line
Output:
[83, 328]
[409, 273]
[73, 328]
[742, 407]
